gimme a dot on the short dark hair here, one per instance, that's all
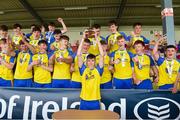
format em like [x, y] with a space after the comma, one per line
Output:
[42, 42]
[16, 26]
[3, 40]
[36, 28]
[120, 37]
[64, 37]
[57, 31]
[112, 22]
[171, 46]
[87, 41]
[33, 25]
[137, 24]
[51, 24]
[91, 56]
[103, 42]
[22, 43]
[96, 26]
[139, 42]
[4, 28]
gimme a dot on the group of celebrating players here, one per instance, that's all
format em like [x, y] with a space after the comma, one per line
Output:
[45, 60]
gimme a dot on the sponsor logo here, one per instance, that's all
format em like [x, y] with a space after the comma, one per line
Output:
[157, 108]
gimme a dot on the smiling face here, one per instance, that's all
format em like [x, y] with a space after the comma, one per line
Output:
[138, 29]
[97, 31]
[17, 30]
[139, 48]
[170, 53]
[121, 42]
[91, 63]
[86, 47]
[36, 34]
[23, 47]
[3, 33]
[57, 37]
[51, 28]
[42, 47]
[64, 43]
[113, 28]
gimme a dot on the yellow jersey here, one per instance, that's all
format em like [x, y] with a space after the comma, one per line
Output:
[106, 76]
[61, 69]
[113, 39]
[90, 83]
[23, 59]
[41, 75]
[34, 43]
[5, 73]
[168, 71]
[94, 46]
[76, 74]
[16, 39]
[134, 39]
[123, 70]
[143, 66]
[56, 45]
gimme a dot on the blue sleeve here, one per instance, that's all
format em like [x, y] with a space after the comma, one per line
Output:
[28, 35]
[41, 36]
[107, 38]
[129, 38]
[74, 55]
[17, 52]
[12, 59]
[131, 57]
[70, 53]
[100, 70]
[102, 38]
[146, 41]
[81, 70]
[50, 54]
[30, 61]
[151, 61]
[111, 55]
[160, 61]
[124, 35]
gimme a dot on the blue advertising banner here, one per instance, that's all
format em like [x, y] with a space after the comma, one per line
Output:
[32, 103]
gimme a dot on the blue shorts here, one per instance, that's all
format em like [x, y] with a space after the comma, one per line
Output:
[89, 105]
[75, 84]
[107, 85]
[145, 84]
[23, 83]
[5, 83]
[123, 83]
[166, 86]
[38, 85]
[61, 83]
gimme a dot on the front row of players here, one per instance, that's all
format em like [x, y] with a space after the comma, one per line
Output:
[34, 67]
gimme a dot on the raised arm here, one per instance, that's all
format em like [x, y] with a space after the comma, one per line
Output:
[155, 51]
[101, 59]
[79, 54]
[64, 30]
[31, 48]
[156, 74]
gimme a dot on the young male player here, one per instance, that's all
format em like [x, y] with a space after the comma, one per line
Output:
[169, 67]
[91, 77]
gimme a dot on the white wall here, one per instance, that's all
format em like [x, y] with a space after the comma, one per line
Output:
[74, 32]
